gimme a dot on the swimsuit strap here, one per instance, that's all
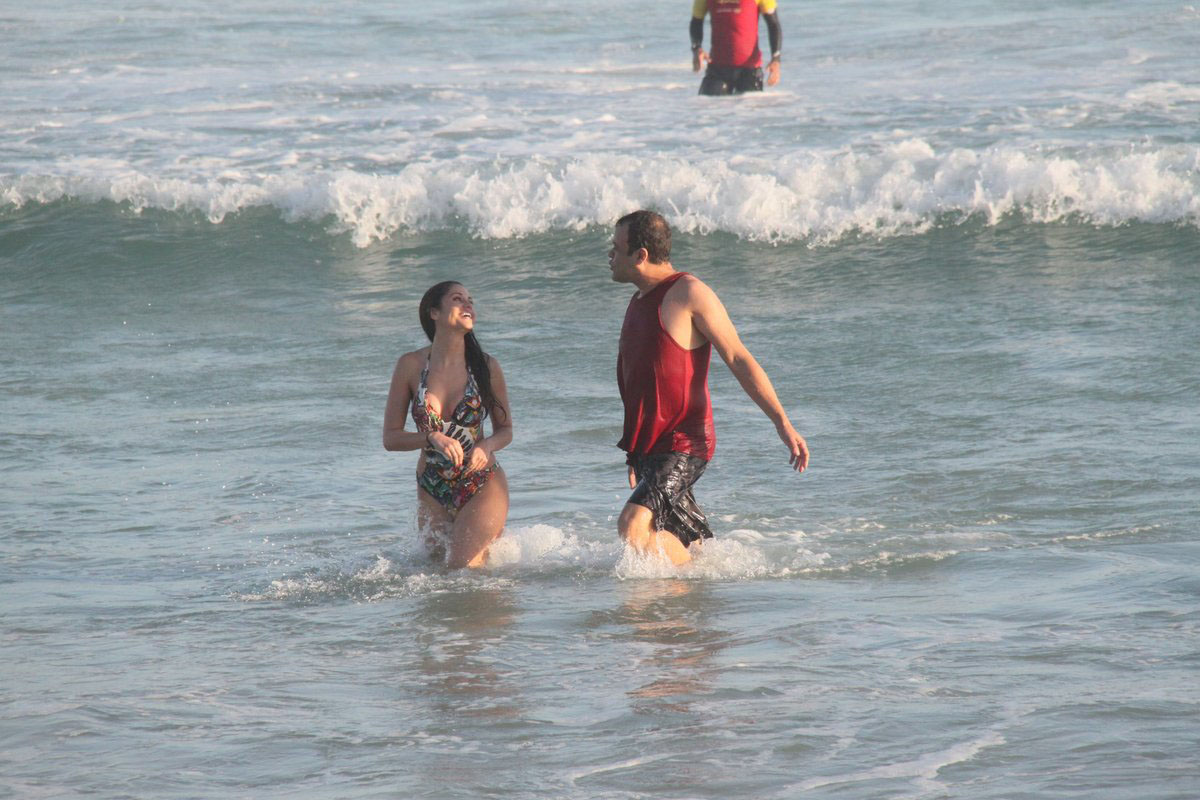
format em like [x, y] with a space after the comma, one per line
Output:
[423, 384]
[472, 389]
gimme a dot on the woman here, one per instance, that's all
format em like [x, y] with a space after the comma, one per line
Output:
[452, 386]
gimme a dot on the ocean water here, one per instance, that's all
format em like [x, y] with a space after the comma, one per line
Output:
[962, 238]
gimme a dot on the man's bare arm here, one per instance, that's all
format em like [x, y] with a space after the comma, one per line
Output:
[712, 320]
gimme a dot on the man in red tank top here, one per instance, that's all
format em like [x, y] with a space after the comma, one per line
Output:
[671, 326]
[735, 62]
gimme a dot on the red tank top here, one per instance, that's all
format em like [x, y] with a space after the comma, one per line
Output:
[735, 33]
[663, 386]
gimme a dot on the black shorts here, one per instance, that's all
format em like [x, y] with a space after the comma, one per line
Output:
[731, 80]
[664, 486]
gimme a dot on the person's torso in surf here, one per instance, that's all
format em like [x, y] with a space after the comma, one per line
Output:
[734, 30]
[664, 387]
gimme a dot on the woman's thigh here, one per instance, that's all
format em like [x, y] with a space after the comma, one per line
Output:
[434, 523]
[479, 522]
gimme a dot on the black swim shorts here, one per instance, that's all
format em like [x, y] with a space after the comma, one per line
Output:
[664, 486]
[731, 80]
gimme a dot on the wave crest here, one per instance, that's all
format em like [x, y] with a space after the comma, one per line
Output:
[813, 197]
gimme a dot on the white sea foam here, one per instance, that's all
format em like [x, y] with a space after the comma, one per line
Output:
[921, 770]
[1164, 93]
[527, 552]
[378, 580]
[818, 197]
[1136, 530]
[736, 555]
[542, 547]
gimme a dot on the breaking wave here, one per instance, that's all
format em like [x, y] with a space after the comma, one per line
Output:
[903, 189]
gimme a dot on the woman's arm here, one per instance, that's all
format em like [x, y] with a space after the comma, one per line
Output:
[395, 437]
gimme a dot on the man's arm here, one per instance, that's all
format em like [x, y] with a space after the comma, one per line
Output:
[775, 37]
[712, 320]
[696, 33]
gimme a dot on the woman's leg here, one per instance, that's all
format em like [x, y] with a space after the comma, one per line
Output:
[479, 523]
[434, 523]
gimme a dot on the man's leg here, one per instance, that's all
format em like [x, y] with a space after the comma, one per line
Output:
[749, 79]
[716, 81]
[636, 526]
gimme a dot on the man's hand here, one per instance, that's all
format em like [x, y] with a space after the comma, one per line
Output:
[796, 446]
[699, 59]
[773, 72]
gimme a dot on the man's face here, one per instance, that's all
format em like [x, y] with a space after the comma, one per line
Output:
[622, 263]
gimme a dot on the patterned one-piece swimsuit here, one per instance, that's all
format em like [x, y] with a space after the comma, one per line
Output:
[450, 485]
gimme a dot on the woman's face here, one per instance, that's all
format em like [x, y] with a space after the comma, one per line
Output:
[457, 311]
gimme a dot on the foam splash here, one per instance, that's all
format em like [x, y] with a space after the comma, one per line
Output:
[406, 572]
[542, 551]
[381, 579]
[543, 547]
[815, 197]
[736, 555]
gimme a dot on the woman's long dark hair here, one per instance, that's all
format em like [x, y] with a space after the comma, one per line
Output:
[477, 360]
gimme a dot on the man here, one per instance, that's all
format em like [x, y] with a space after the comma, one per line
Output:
[671, 325]
[735, 63]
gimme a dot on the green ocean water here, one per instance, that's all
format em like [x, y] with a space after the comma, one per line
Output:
[985, 584]
[961, 238]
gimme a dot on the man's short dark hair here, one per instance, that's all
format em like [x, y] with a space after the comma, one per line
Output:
[649, 230]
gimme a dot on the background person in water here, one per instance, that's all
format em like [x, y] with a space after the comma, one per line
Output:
[735, 62]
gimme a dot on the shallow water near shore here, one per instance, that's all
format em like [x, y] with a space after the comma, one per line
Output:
[983, 317]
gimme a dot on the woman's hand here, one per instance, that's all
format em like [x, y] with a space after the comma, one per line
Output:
[478, 458]
[448, 446]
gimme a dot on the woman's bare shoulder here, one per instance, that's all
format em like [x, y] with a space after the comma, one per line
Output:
[413, 362]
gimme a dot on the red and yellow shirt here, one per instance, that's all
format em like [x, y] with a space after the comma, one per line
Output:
[734, 29]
